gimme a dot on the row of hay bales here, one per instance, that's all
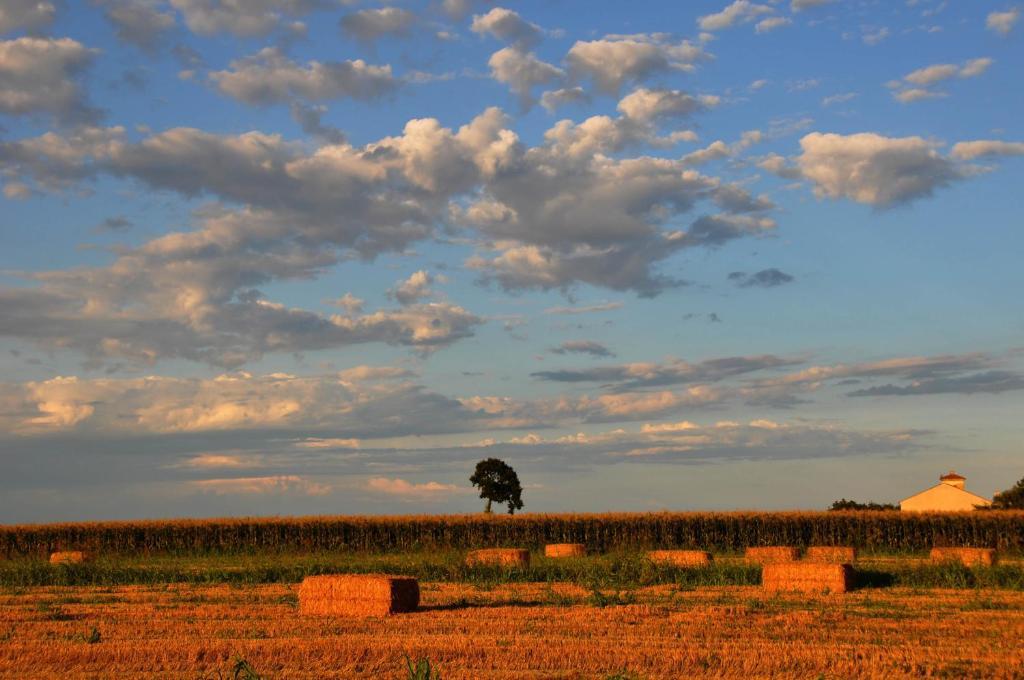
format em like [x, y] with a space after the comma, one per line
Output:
[757, 555]
[520, 557]
[821, 569]
[380, 595]
[361, 595]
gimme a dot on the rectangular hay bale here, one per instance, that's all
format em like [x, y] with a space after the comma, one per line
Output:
[68, 557]
[358, 595]
[807, 577]
[970, 557]
[771, 554]
[499, 557]
[565, 550]
[680, 558]
[839, 554]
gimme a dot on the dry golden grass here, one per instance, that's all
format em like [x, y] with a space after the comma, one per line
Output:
[807, 577]
[767, 555]
[358, 595]
[831, 553]
[501, 557]
[191, 632]
[971, 557]
[68, 557]
[565, 550]
[680, 558]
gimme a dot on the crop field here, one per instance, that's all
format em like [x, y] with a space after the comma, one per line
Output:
[155, 600]
[886, 532]
[513, 631]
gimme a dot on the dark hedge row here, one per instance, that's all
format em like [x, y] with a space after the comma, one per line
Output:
[718, 532]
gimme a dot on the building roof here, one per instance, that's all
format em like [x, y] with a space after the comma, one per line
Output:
[946, 488]
[951, 476]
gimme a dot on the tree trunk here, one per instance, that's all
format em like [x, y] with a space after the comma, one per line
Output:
[487, 509]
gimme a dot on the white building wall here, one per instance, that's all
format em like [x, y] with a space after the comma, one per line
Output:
[942, 498]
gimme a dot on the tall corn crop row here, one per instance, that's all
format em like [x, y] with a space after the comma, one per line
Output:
[720, 532]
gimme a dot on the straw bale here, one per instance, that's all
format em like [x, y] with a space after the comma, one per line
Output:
[565, 550]
[840, 554]
[499, 557]
[807, 577]
[767, 555]
[680, 558]
[970, 557]
[68, 557]
[358, 595]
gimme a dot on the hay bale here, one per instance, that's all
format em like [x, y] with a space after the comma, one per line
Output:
[680, 558]
[499, 557]
[68, 557]
[565, 550]
[807, 577]
[970, 557]
[358, 595]
[839, 554]
[771, 554]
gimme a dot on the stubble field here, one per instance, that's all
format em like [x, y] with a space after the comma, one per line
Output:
[218, 599]
[514, 630]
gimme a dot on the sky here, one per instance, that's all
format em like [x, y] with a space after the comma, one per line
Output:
[283, 257]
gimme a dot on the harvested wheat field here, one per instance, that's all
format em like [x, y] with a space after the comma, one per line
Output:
[513, 631]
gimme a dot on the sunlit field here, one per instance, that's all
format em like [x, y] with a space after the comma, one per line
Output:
[520, 630]
[219, 599]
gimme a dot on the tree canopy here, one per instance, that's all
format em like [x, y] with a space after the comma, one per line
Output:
[844, 504]
[498, 483]
[1011, 499]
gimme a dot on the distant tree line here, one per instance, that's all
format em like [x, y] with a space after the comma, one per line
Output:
[843, 504]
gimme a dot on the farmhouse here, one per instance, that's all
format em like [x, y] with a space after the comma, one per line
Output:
[948, 495]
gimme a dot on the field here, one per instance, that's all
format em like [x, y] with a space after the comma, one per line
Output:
[167, 604]
[513, 631]
[887, 532]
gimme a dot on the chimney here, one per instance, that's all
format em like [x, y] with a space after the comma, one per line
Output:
[953, 479]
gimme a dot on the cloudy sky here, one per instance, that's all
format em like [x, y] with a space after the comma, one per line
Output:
[321, 256]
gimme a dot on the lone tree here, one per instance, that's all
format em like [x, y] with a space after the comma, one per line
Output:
[1011, 499]
[498, 483]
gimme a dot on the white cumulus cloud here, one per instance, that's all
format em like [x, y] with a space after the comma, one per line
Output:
[1002, 22]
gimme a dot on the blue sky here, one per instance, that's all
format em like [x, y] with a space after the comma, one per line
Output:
[320, 256]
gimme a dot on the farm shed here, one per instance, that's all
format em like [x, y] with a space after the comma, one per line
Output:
[949, 495]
